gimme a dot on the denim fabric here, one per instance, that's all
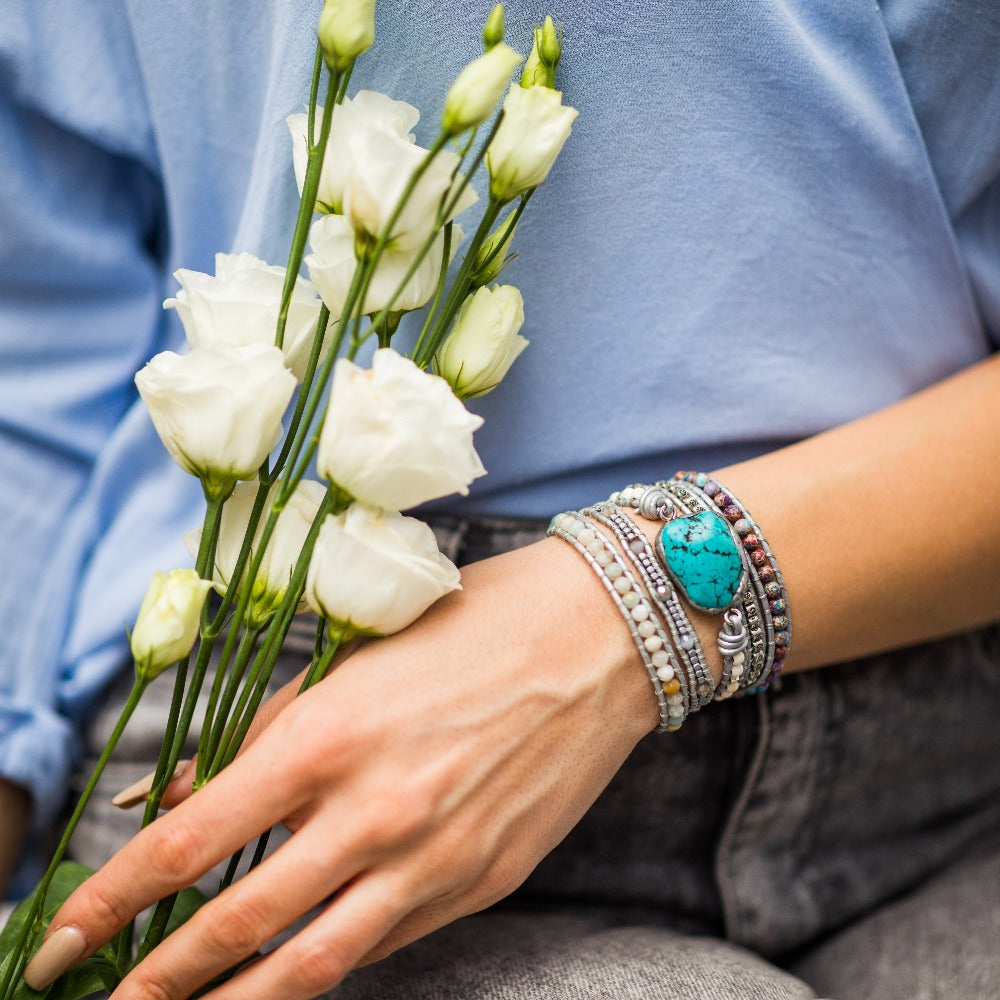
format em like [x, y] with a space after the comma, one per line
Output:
[845, 828]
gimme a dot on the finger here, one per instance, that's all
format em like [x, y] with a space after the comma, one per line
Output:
[247, 798]
[321, 954]
[139, 791]
[233, 926]
[181, 786]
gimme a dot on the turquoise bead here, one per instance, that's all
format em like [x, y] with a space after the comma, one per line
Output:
[703, 559]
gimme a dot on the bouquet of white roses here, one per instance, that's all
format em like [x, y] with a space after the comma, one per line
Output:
[377, 213]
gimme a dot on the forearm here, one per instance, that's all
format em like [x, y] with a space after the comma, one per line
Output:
[885, 528]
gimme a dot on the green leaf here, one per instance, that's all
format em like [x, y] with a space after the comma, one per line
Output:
[98, 974]
[101, 969]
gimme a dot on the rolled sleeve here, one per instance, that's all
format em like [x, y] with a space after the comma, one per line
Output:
[36, 752]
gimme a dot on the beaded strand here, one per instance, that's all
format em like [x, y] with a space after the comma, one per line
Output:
[662, 593]
[602, 556]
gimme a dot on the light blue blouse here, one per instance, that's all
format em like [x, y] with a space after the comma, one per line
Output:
[772, 217]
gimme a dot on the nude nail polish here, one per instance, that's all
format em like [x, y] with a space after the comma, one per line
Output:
[139, 792]
[61, 951]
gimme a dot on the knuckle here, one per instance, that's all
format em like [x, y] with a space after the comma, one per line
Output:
[151, 986]
[307, 731]
[105, 906]
[175, 851]
[235, 927]
[319, 966]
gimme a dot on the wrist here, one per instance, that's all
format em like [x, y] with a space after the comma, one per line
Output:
[600, 636]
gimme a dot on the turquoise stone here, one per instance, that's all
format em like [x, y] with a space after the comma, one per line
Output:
[703, 559]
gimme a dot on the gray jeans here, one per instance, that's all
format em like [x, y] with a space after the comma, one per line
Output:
[839, 838]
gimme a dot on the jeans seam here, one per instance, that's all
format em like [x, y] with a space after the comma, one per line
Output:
[724, 849]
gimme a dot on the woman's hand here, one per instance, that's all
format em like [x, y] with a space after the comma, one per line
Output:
[423, 780]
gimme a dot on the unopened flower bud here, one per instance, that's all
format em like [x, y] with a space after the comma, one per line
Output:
[484, 342]
[495, 28]
[346, 30]
[167, 624]
[534, 126]
[492, 257]
[478, 88]
[550, 47]
[540, 69]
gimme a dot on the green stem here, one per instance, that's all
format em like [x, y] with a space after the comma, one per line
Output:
[459, 289]
[167, 762]
[307, 206]
[321, 665]
[333, 502]
[230, 873]
[32, 925]
[317, 75]
[209, 747]
[438, 292]
[271, 476]
[157, 926]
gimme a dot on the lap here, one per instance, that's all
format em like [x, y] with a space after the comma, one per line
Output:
[518, 956]
[939, 942]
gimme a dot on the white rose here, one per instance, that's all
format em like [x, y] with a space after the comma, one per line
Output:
[477, 89]
[333, 262]
[167, 624]
[346, 30]
[484, 341]
[379, 167]
[534, 127]
[367, 111]
[218, 410]
[283, 548]
[240, 304]
[376, 571]
[395, 436]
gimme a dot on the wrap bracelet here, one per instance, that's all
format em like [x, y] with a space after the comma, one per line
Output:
[756, 642]
[763, 564]
[636, 546]
[601, 555]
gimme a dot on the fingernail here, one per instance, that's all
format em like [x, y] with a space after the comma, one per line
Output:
[61, 951]
[139, 792]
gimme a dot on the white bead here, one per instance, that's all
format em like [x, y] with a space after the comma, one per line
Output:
[739, 659]
[586, 536]
[631, 599]
[660, 658]
[603, 557]
[687, 641]
[665, 673]
[636, 545]
[640, 612]
[623, 585]
[614, 570]
[654, 644]
[646, 629]
[595, 546]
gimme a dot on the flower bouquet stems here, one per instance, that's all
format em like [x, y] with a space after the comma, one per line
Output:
[378, 213]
